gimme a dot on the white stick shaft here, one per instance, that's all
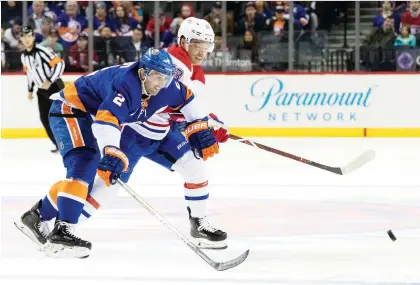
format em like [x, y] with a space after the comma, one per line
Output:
[163, 220]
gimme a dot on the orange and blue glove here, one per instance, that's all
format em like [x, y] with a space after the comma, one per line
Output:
[201, 139]
[112, 165]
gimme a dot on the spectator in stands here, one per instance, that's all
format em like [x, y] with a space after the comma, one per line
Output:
[102, 19]
[412, 18]
[164, 23]
[106, 47]
[9, 11]
[46, 27]
[279, 22]
[71, 24]
[262, 8]
[218, 43]
[300, 17]
[387, 11]
[186, 11]
[4, 48]
[251, 20]
[215, 17]
[133, 48]
[12, 35]
[170, 36]
[53, 10]
[52, 42]
[35, 19]
[250, 43]
[132, 11]
[142, 16]
[78, 56]
[382, 37]
[405, 38]
[124, 23]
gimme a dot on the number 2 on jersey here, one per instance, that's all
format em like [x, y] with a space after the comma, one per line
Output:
[119, 99]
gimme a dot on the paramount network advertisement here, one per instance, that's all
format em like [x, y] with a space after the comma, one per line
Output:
[283, 101]
[279, 101]
[321, 101]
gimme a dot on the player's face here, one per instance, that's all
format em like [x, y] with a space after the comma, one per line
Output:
[155, 81]
[197, 51]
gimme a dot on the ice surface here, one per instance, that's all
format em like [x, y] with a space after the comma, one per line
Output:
[303, 225]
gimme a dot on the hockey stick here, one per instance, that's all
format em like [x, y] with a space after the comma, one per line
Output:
[354, 164]
[219, 266]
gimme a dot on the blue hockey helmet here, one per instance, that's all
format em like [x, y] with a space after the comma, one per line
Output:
[157, 60]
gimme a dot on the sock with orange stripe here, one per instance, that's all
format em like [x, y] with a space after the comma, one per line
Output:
[196, 195]
[48, 208]
[71, 199]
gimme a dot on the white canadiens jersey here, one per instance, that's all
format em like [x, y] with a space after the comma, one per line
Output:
[189, 74]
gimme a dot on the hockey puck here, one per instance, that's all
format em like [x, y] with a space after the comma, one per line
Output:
[391, 235]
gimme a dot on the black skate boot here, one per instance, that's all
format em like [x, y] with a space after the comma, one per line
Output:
[32, 225]
[62, 242]
[206, 236]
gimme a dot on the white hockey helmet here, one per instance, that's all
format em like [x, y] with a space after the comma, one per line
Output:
[199, 29]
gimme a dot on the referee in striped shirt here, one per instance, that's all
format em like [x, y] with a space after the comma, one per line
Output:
[43, 69]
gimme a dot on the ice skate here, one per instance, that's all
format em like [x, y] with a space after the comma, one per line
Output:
[33, 226]
[205, 236]
[62, 242]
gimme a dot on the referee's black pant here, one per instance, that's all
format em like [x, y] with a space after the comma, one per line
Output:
[44, 105]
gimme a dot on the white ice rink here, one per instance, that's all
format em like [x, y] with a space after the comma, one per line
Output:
[303, 225]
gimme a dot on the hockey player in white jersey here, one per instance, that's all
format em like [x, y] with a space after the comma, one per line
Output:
[195, 41]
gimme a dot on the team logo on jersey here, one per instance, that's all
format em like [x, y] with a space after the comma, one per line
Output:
[178, 72]
[155, 51]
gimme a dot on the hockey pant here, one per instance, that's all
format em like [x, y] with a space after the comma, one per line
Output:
[72, 131]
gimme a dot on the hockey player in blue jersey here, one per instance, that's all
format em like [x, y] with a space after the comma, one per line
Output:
[86, 118]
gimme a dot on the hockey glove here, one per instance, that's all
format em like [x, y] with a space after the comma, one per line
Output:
[113, 163]
[201, 139]
[219, 131]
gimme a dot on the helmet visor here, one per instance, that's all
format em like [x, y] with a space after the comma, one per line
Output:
[159, 80]
[200, 46]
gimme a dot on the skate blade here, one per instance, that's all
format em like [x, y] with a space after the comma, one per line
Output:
[24, 229]
[206, 244]
[55, 250]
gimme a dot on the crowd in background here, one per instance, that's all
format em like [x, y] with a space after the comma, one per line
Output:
[397, 26]
[123, 30]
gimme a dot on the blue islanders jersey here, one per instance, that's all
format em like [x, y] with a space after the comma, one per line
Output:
[113, 97]
[153, 120]
[110, 94]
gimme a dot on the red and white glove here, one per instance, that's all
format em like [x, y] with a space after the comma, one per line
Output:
[218, 129]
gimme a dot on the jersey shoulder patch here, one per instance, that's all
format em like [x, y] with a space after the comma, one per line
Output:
[178, 72]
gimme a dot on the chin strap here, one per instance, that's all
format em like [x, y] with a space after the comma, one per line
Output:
[142, 82]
